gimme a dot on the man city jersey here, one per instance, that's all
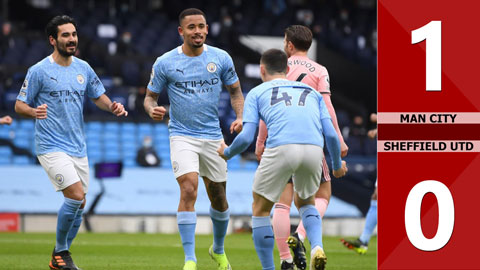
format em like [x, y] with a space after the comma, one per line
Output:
[194, 85]
[63, 89]
[292, 112]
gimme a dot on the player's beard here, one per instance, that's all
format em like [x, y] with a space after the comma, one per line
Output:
[62, 50]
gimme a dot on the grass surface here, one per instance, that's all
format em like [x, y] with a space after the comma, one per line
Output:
[156, 251]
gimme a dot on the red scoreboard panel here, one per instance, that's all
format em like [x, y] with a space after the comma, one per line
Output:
[428, 134]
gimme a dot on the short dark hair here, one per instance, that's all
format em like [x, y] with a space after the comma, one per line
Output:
[188, 12]
[275, 61]
[52, 26]
[300, 36]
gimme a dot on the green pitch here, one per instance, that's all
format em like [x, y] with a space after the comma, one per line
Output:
[98, 251]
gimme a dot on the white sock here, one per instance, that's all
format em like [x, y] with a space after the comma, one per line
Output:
[315, 250]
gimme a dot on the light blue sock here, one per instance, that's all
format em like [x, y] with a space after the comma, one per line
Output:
[66, 217]
[370, 222]
[313, 224]
[76, 226]
[264, 240]
[220, 225]
[186, 226]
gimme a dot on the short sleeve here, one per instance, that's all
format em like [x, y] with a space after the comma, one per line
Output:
[228, 75]
[323, 85]
[95, 87]
[323, 108]
[31, 86]
[250, 110]
[158, 80]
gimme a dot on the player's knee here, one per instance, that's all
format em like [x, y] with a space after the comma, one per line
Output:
[189, 192]
[299, 202]
[220, 204]
[323, 195]
[261, 206]
[74, 191]
[217, 190]
[256, 211]
[286, 200]
[260, 210]
[78, 195]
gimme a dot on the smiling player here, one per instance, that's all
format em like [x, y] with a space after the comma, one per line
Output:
[56, 87]
[193, 74]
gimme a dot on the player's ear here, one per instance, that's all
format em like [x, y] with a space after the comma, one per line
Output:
[290, 46]
[180, 30]
[52, 41]
[262, 71]
[287, 70]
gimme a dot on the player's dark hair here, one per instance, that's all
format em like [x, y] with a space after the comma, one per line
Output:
[52, 26]
[300, 36]
[188, 12]
[275, 61]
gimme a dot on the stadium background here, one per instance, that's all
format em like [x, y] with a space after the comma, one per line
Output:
[121, 40]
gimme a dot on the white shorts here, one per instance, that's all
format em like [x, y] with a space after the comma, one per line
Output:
[197, 155]
[65, 170]
[303, 161]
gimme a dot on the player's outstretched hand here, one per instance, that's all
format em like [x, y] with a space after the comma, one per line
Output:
[343, 150]
[236, 126]
[118, 109]
[221, 149]
[6, 120]
[342, 171]
[157, 113]
[259, 151]
[41, 111]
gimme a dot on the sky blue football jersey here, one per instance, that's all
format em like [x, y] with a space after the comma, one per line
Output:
[194, 85]
[63, 89]
[291, 110]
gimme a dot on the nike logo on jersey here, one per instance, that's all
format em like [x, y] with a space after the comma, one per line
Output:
[179, 70]
[54, 79]
[268, 236]
[317, 216]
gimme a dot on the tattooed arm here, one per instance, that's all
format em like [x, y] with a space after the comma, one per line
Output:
[151, 106]
[237, 100]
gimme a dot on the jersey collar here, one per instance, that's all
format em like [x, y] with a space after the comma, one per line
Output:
[50, 58]
[180, 50]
